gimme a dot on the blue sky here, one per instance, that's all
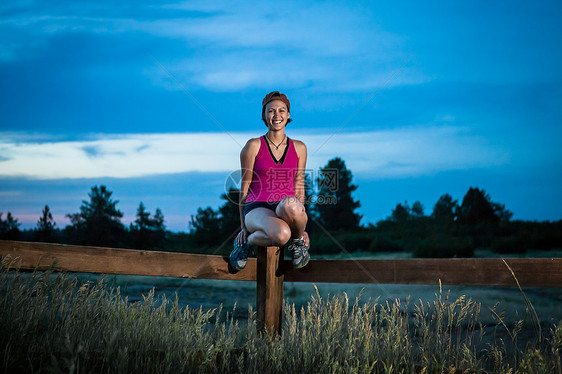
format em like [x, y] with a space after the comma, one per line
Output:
[156, 99]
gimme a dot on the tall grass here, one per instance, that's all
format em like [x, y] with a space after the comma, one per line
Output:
[49, 323]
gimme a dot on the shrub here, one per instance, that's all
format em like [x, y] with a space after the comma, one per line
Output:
[509, 244]
[337, 242]
[382, 243]
[321, 243]
[355, 241]
[440, 247]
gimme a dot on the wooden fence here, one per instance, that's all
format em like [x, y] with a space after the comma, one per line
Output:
[270, 270]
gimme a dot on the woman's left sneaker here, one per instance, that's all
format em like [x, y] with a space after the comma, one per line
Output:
[239, 255]
[299, 253]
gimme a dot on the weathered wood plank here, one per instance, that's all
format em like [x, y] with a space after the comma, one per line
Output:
[85, 259]
[531, 272]
[539, 272]
[270, 290]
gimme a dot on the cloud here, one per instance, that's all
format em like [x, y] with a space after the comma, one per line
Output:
[228, 48]
[118, 156]
[324, 46]
[10, 194]
[409, 151]
[91, 151]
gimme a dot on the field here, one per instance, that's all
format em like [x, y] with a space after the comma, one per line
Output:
[90, 323]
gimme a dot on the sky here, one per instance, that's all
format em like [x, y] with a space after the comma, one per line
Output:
[155, 100]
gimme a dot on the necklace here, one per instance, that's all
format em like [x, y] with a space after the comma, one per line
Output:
[276, 146]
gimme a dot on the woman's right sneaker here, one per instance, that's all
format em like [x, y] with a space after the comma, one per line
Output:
[299, 253]
[239, 255]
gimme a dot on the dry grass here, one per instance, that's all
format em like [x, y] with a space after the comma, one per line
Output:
[52, 324]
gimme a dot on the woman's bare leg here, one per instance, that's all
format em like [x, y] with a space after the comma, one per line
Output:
[266, 228]
[292, 211]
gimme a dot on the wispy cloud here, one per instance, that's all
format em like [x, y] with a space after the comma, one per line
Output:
[375, 154]
[10, 194]
[119, 156]
[250, 46]
[236, 46]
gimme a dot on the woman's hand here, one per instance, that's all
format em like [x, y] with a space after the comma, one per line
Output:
[306, 239]
[242, 237]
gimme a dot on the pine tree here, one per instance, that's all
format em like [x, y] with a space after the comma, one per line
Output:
[309, 196]
[146, 232]
[335, 204]
[142, 223]
[99, 220]
[204, 227]
[9, 228]
[417, 210]
[445, 209]
[46, 225]
[477, 208]
[158, 221]
[229, 213]
[401, 213]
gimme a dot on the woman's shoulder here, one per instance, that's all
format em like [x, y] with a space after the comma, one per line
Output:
[252, 146]
[299, 145]
[253, 143]
[299, 142]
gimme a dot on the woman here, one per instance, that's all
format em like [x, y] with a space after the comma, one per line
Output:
[272, 212]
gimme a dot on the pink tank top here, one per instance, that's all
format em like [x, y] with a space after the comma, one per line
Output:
[272, 179]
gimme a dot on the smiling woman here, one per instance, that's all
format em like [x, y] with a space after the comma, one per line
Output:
[272, 208]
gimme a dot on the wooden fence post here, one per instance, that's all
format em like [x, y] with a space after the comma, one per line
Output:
[270, 274]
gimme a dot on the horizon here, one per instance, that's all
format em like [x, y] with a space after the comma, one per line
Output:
[129, 217]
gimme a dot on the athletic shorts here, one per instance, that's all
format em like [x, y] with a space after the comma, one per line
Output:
[260, 204]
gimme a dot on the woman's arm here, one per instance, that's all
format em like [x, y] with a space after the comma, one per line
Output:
[300, 147]
[247, 160]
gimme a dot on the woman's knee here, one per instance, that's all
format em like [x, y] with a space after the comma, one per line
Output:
[291, 207]
[280, 235]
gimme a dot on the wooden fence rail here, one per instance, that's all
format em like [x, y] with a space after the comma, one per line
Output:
[270, 270]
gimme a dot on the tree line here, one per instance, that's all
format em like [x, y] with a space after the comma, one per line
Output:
[97, 223]
[452, 229]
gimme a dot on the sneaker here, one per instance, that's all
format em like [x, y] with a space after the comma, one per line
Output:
[239, 255]
[299, 252]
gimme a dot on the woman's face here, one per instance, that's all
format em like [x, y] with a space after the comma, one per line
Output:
[276, 115]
